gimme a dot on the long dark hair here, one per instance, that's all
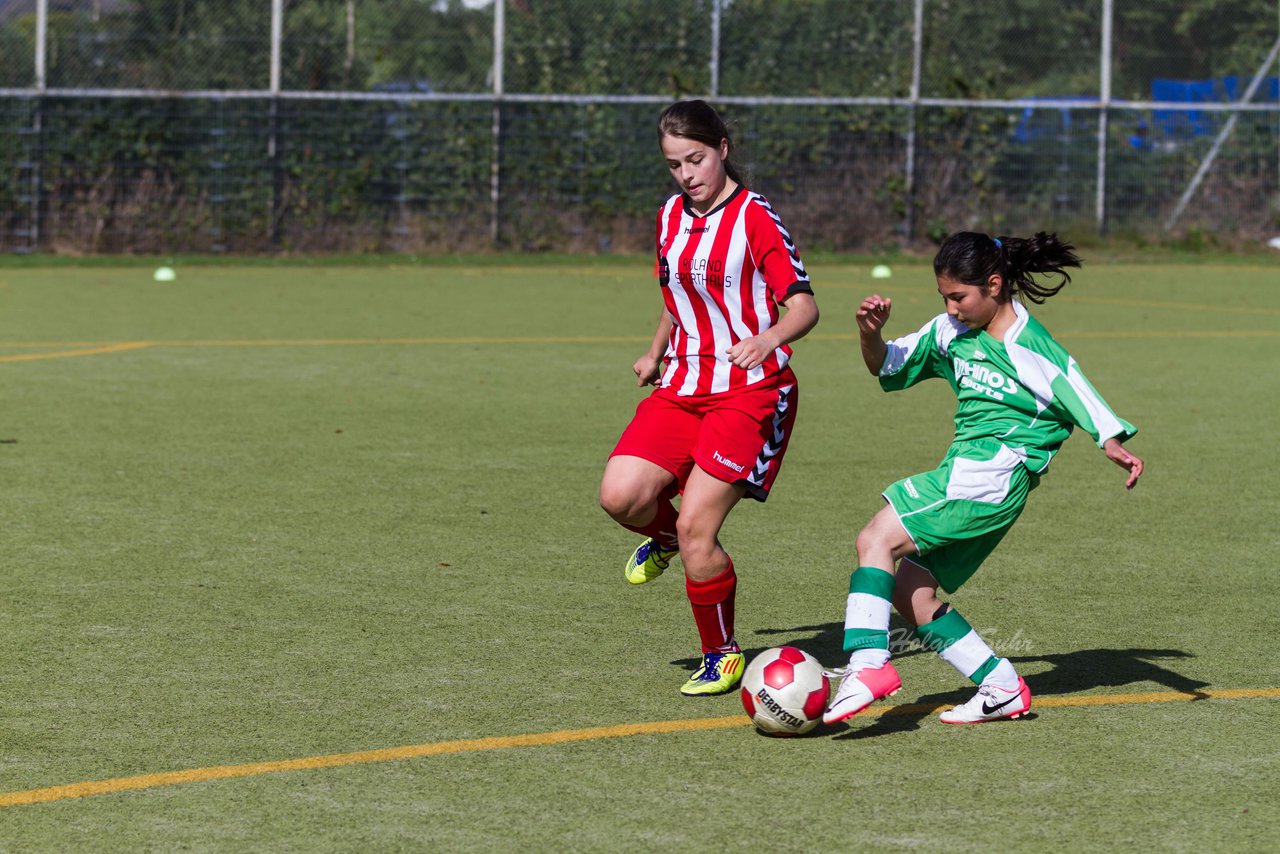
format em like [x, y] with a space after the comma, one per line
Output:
[972, 258]
[699, 121]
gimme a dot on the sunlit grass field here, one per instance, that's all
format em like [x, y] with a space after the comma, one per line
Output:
[344, 519]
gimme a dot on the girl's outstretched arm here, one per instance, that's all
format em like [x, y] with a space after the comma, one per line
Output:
[1130, 462]
[872, 315]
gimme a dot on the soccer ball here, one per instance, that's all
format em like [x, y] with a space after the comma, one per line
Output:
[784, 691]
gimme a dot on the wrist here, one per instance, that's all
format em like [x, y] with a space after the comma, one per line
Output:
[772, 339]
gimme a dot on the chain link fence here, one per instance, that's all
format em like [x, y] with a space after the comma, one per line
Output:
[456, 125]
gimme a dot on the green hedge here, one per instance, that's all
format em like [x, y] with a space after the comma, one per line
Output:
[173, 175]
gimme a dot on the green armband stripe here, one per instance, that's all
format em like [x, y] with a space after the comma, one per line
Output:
[855, 639]
[944, 631]
[872, 581]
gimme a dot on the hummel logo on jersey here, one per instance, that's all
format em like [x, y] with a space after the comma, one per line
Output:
[978, 354]
[728, 463]
[988, 708]
[700, 229]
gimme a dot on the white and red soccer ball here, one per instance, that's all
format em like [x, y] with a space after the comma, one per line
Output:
[784, 691]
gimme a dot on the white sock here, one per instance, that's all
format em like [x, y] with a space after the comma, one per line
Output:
[867, 658]
[1003, 676]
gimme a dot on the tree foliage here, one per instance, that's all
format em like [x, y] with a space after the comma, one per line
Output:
[378, 174]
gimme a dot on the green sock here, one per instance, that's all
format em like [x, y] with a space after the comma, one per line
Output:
[954, 639]
[866, 613]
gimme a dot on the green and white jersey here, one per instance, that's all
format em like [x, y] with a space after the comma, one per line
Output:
[1025, 391]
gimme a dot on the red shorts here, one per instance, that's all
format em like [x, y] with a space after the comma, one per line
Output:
[735, 436]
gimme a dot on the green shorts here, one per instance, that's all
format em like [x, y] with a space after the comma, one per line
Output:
[957, 514]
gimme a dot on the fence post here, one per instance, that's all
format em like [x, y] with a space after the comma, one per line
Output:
[495, 162]
[36, 158]
[909, 189]
[273, 149]
[1222, 137]
[218, 198]
[715, 47]
[1104, 105]
[42, 32]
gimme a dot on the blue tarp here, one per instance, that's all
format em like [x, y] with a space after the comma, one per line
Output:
[1188, 123]
[1046, 123]
[1040, 124]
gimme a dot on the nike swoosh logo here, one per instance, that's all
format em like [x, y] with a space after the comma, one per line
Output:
[986, 709]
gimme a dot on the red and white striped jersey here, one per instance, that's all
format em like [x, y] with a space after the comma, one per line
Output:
[722, 278]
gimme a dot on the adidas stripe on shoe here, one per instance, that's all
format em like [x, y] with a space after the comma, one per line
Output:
[720, 673]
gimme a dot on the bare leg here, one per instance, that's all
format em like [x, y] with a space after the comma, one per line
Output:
[883, 541]
[866, 619]
[703, 508]
[710, 581]
[631, 488]
[915, 593]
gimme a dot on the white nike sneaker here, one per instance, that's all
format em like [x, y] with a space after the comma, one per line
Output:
[861, 689]
[991, 704]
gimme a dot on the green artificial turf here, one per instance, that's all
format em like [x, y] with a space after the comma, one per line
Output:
[328, 510]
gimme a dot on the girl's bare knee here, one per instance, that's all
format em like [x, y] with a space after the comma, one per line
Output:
[866, 541]
[621, 501]
[693, 541]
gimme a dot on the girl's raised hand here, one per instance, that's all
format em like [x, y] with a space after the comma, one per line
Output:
[1130, 462]
[873, 314]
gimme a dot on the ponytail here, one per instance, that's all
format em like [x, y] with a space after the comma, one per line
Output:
[972, 258]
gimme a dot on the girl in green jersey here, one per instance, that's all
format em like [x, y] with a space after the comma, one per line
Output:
[1019, 396]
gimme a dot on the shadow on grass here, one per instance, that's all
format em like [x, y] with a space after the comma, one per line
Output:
[825, 643]
[1072, 672]
[1068, 673]
[904, 717]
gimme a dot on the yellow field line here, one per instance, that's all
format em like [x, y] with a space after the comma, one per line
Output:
[94, 347]
[886, 290]
[1065, 298]
[89, 351]
[86, 348]
[461, 339]
[1128, 333]
[1190, 333]
[545, 739]
[1137, 303]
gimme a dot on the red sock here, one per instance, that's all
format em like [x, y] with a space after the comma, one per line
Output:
[663, 526]
[712, 603]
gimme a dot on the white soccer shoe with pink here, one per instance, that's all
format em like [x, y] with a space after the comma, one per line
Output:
[861, 689]
[991, 704]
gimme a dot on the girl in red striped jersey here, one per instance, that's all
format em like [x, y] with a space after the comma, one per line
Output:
[717, 426]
